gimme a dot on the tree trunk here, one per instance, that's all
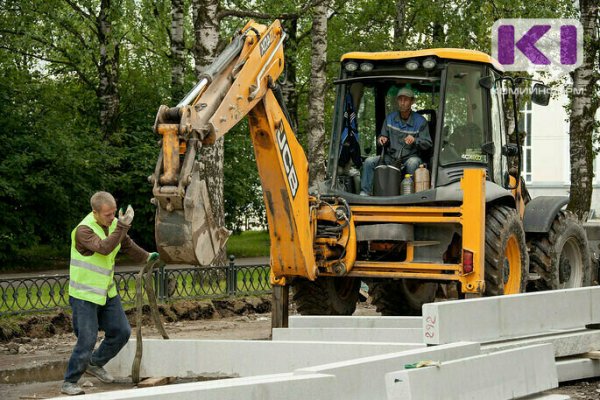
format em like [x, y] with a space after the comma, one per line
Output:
[400, 25]
[438, 36]
[108, 71]
[288, 88]
[316, 118]
[206, 35]
[177, 50]
[584, 104]
[206, 32]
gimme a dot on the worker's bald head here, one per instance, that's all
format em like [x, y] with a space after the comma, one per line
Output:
[100, 199]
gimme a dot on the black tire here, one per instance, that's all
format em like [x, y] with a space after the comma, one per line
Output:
[326, 295]
[506, 261]
[561, 257]
[401, 297]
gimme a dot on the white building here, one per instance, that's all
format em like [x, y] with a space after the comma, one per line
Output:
[546, 164]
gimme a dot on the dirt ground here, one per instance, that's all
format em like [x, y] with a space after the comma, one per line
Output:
[25, 353]
[56, 350]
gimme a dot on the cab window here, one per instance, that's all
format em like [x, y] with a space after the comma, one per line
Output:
[463, 128]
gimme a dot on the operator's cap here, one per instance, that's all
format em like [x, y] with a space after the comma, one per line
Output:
[406, 91]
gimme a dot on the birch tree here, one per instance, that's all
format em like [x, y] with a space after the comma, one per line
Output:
[318, 84]
[400, 23]
[206, 42]
[177, 49]
[585, 101]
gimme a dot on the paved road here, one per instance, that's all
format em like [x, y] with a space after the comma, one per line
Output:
[126, 268]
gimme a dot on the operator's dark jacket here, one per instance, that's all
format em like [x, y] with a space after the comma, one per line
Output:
[396, 130]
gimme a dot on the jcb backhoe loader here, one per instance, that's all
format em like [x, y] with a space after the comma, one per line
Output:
[472, 227]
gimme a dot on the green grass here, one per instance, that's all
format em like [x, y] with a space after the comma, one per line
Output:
[249, 244]
[22, 298]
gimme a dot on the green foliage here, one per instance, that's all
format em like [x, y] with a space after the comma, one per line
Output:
[244, 207]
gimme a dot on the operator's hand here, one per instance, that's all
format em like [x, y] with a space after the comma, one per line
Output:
[126, 218]
[382, 140]
[410, 139]
[153, 257]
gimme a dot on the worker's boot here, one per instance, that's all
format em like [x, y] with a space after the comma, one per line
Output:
[99, 373]
[71, 389]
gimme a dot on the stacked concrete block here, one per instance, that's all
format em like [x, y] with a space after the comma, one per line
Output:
[238, 358]
[388, 335]
[266, 387]
[496, 376]
[363, 378]
[364, 357]
[350, 321]
[574, 368]
[564, 344]
[507, 317]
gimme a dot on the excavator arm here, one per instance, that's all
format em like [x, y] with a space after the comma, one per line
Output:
[240, 83]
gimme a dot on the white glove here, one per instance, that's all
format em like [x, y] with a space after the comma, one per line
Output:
[126, 218]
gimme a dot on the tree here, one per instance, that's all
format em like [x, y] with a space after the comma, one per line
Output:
[585, 101]
[177, 49]
[84, 40]
[206, 34]
[318, 84]
[56, 150]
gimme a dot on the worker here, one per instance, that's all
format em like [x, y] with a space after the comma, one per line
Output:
[93, 296]
[405, 134]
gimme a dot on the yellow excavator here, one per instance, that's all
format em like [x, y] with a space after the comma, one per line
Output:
[472, 224]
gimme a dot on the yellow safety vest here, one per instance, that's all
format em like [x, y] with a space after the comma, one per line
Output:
[91, 277]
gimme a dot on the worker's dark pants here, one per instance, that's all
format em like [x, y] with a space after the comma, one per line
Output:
[88, 318]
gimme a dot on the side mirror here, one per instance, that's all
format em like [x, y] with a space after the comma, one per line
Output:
[487, 82]
[510, 150]
[540, 94]
[489, 148]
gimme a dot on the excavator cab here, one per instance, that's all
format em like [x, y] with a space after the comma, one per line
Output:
[466, 119]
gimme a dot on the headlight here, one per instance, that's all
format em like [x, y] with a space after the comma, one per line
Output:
[366, 67]
[411, 65]
[429, 63]
[351, 66]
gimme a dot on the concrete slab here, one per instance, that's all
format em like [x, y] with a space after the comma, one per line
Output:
[388, 335]
[564, 344]
[507, 317]
[238, 358]
[363, 378]
[546, 397]
[270, 387]
[344, 321]
[497, 376]
[571, 369]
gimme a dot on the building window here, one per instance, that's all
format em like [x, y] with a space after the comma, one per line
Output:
[525, 126]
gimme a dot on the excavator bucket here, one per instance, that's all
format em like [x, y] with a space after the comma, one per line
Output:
[191, 235]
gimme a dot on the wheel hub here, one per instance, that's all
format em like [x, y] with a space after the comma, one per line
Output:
[564, 270]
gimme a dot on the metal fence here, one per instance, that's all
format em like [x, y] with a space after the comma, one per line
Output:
[22, 295]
